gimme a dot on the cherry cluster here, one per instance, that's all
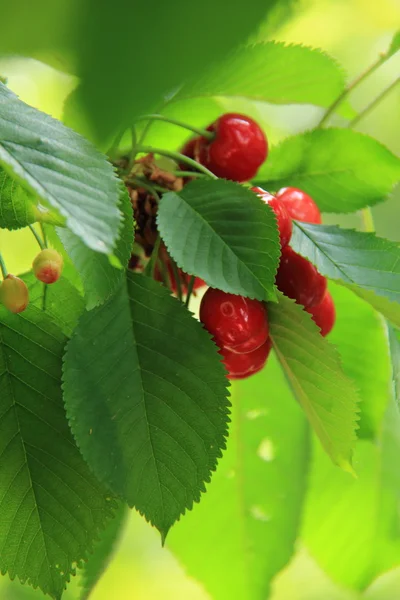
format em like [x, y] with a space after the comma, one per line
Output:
[239, 325]
[47, 267]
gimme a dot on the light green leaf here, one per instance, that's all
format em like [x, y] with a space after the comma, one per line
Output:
[342, 170]
[175, 57]
[368, 265]
[64, 304]
[244, 530]
[394, 345]
[395, 44]
[358, 334]
[272, 72]
[223, 233]
[62, 168]
[99, 278]
[358, 517]
[146, 397]
[17, 207]
[313, 368]
[103, 552]
[51, 505]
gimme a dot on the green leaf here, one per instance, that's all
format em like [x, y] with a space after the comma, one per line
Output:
[50, 36]
[146, 397]
[394, 345]
[223, 233]
[272, 72]
[244, 530]
[64, 304]
[361, 339]
[313, 368]
[51, 505]
[368, 265]
[17, 207]
[352, 526]
[99, 278]
[395, 45]
[62, 168]
[103, 552]
[342, 170]
[176, 59]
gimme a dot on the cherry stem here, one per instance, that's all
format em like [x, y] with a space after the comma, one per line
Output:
[133, 148]
[151, 265]
[147, 186]
[44, 234]
[189, 290]
[177, 157]
[164, 273]
[368, 219]
[115, 145]
[351, 87]
[3, 267]
[37, 237]
[209, 135]
[374, 103]
[44, 300]
[189, 174]
[177, 279]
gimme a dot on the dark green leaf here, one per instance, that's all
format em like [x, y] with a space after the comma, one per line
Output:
[62, 168]
[64, 304]
[342, 170]
[272, 72]
[103, 551]
[395, 45]
[224, 234]
[17, 207]
[368, 265]
[99, 278]
[51, 505]
[352, 526]
[172, 53]
[255, 499]
[146, 396]
[361, 339]
[313, 368]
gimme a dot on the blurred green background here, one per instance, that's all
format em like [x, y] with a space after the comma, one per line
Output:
[354, 32]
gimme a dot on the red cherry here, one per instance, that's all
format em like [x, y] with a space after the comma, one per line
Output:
[188, 149]
[298, 279]
[324, 314]
[240, 366]
[299, 205]
[235, 322]
[238, 149]
[283, 219]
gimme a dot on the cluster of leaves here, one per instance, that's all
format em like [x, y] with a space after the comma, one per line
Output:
[115, 395]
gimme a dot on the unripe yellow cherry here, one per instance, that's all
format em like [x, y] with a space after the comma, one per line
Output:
[47, 266]
[14, 294]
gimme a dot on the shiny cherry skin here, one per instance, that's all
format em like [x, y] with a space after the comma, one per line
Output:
[238, 149]
[236, 323]
[299, 205]
[298, 279]
[283, 219]
[240, 366]
[324, 314]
